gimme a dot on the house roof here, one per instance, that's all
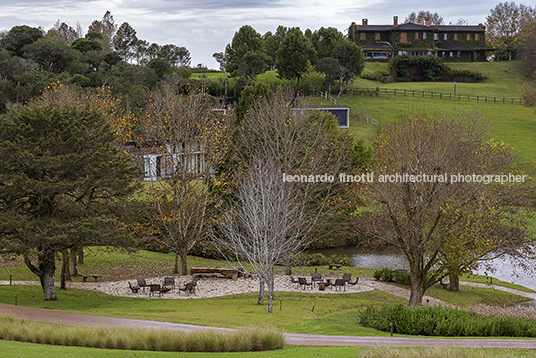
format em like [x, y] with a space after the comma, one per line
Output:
[416, 27]
[384, 46]
[457, 28]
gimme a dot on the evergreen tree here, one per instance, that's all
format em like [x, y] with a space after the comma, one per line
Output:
[62, 183]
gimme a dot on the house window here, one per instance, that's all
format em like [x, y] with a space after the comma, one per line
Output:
[468, 37]
[416, 36]
[369, 54]
[377, 35]
[458, 54]
[403, 37]
[451, 54]
[445, 37]
[363, 36]
[455, 37]
[436, 36]
[476, 37]
[424, 35]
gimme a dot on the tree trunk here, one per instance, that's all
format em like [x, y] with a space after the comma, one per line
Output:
[81, 255]
[454, 282]
[176, 266]
[46, 266]
[184, 262]
[260, 301]
[271, 291]
[74, 267]
[65, 273]
[417, 287]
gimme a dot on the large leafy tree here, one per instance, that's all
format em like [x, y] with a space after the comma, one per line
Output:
[62, 182]
[295, 52]
[245, 40]
[437, 220]
[507, 21]
[325, 39]
[422, 16]
[20, 36]
[351, 60]
[52, 53]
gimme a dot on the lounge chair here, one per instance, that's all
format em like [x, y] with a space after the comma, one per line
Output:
[169, 281]
[353, 283]
[155, 288]
[316, 277]
[188, 288]
[303, 282]
[295, 280]
[142, 283]
[135, 289]
[339, 282]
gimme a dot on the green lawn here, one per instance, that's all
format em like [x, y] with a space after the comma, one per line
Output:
[11, 349]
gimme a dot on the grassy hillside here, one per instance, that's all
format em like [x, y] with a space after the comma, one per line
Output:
[513, 124]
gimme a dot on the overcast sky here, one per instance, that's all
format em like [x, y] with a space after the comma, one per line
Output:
[205, 27]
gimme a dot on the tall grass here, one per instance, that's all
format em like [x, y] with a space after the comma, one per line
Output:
[253, 338]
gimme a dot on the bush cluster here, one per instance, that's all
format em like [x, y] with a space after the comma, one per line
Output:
[387, 275]
[381, 75]
[242, 340]
[447, 322]
[464, 75]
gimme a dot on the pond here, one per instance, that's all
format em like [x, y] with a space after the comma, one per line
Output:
[503, 269]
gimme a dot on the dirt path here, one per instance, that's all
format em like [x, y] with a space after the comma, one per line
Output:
[69, 318]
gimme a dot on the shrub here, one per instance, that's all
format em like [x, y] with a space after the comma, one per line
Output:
[383, 274]
[402, 278]
[463, 75]
[447, 322]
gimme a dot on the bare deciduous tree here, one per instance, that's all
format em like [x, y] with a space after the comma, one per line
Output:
[437, 218]
[271, 220]
[188, 141]
[268, 221]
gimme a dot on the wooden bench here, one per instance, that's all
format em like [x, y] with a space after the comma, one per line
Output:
[230, 272]
[86, 276]
[335, 266]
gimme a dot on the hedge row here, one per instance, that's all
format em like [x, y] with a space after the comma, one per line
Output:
[446, 322]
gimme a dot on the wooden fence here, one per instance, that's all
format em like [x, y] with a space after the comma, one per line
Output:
[435, 95]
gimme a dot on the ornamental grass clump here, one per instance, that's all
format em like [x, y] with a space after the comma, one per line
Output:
[241, 340]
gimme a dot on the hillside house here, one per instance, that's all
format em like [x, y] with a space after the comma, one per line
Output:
[451, 42]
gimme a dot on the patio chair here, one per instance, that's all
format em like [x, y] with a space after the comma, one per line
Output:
[316, 277]
[303, 282]
[188, 288]
[142, 283]
[346, 277]
[155, 288]
[339, 282]
[353, 283]
[169, 281]
[295, 280]
[135, 289]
